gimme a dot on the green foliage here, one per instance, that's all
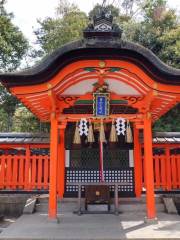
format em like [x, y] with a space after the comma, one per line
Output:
[170, 121]
[25, 121]
[53, 33]
[3, 120]
[159, 24]
[170, 51]
[8, 104]
[13, 45]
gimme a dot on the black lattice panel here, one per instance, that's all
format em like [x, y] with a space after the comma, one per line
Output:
[124, 175]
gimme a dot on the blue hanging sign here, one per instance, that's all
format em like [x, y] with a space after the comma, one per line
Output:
[101, 104]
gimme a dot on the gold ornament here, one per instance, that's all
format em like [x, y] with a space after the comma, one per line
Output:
[102, 64]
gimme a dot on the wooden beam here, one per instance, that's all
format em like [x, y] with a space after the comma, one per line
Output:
[75, 117]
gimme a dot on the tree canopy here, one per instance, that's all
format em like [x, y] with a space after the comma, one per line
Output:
[66, 27]
[13, 44]
[13, 47]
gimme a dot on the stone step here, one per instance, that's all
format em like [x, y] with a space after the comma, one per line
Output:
[142, 199]
[123, 207]
[30, 205]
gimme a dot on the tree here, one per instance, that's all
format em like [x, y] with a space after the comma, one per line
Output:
[159, 31]
[66, 27]
[170, 121]
[170, 51]
[8, 104]
[13, 44]
[159, 24]
[13, 47]
[25, 121]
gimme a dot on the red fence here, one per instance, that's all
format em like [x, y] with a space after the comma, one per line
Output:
[166, 172]
[22, 172]
[32, 172]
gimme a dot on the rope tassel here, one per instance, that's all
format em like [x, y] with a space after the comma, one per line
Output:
[129, 136]
[90, 137]
[113, 134]
[102, 137]
[77, 138]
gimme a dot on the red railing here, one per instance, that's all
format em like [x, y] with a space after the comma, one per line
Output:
[166, 172]
[22, 172]
[31, 172]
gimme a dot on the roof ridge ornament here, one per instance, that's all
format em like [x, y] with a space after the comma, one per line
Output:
[102, 26]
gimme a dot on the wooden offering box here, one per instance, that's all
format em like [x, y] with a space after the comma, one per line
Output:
[97, 194]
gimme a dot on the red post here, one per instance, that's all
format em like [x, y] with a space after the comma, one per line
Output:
[148, 166]
[53, 167]
[137, 163]
[168, 169]
[27, 168]
[61, 161]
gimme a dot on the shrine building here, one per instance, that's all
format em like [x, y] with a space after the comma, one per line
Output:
[101, 95]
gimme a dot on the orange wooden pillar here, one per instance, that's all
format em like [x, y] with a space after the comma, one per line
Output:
[168, 169]
[27, 169]
[61, 161]
[137, 163]
[53, 167]
[148, 166]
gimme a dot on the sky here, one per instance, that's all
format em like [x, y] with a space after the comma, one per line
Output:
[26, 12]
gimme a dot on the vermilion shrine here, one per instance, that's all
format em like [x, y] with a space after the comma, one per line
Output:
[111, 85]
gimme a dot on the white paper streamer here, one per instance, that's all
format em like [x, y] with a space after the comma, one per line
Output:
[83, 128]
[120, 126]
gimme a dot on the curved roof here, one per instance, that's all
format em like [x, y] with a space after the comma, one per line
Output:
[94, 48]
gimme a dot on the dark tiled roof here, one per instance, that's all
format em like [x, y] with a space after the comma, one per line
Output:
[166, 137]
[24, 138]
[94, 49]
[31, 138]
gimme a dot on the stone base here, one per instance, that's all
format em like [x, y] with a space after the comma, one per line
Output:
[30, 205]
[97, 207]
[150, 220]
[170, 206]
[12, 205]
[54, 220]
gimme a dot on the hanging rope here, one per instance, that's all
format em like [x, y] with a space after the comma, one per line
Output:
[77, 138]
[90, 137]
[113, 134]
[129, 136]
[102, 137]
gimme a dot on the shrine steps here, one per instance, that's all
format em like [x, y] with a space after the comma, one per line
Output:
[125, 205]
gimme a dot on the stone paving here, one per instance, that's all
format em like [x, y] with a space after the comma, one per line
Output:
[129, 225]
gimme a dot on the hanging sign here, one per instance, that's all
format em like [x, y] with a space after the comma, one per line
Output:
[101, 104]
